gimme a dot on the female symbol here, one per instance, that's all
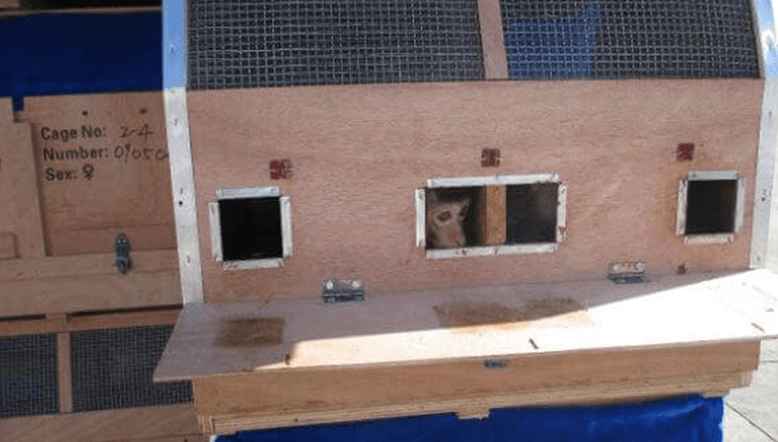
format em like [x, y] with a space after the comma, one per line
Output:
[89, 171]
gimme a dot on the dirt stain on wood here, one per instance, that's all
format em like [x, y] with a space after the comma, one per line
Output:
[250, 332]
[465, 314]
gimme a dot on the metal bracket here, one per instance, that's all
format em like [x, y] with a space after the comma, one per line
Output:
[342, 290]
[627, 272]
[122, 249]
[496, 364]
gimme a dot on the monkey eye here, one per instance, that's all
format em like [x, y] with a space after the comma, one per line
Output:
[444, 216]
[463, 213]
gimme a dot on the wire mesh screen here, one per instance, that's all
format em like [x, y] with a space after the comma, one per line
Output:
[629, 38]
[28, 375]
[247, 43]
[114, 368]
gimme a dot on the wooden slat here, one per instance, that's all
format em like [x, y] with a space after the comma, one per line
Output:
[493, 40]
[88, 293]
[280, 399]
[611, 142]
[85, 265]
[6, 110]
[9, 4]
[64, 373]
[80, 11]
[90, 322]
[493, 204]
[7, 245]
[164, 423]
[87, 283]
[429, 326]
[584, 395]
[110, 188]
[20, 212]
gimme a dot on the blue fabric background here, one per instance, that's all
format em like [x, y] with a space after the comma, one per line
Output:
[554, 48]
[689, 419]
[50, 54]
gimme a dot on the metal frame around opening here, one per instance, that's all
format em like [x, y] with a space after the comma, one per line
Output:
[712, 238]
[492, 180]
[214, 218]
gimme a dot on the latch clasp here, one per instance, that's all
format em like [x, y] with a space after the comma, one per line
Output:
[342, 290]
[122, 250]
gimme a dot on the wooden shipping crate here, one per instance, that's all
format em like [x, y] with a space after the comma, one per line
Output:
[291, 198]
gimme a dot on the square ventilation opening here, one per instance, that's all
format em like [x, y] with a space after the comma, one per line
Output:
[250, 228]
[488, 216]
[710, 207]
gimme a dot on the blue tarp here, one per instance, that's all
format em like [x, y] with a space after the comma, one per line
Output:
[50, 54]
[689, 419]
[554, 48]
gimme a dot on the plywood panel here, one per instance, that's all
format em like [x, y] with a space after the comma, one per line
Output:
[138, 424]
[589, 377]
[492, 40]
[89, 293]
[493, 202]
[20, 213]
[358, 153]
[103, 169]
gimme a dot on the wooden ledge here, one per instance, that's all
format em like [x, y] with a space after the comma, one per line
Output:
[477, 323]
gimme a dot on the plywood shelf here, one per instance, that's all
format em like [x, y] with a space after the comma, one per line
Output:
[433, 326]
[296, 361]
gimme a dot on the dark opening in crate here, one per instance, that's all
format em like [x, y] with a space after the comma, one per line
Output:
[250, 228]
[711, 207]
[531, 211]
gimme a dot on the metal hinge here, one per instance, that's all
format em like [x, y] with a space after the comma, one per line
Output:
[342, 290]
[627, 272]
[122, 249]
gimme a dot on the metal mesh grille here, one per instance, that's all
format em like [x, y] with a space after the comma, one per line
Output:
[114, 368]
[247, 43]
[28, 375]
[635, 38]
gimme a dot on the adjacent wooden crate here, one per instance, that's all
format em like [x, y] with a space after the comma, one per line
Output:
[74, 197]
[76, 171]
